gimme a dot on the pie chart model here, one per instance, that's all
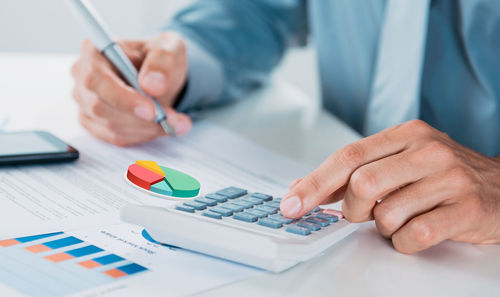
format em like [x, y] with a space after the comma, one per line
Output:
[162, 181]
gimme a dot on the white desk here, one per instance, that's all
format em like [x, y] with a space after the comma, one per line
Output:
[35, 91]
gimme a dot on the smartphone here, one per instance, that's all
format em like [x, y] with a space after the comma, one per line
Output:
[34, 147]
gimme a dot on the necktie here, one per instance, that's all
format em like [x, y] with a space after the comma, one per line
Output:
[395, 92]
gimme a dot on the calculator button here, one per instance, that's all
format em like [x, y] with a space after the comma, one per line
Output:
[319, 221]
[232, 192]
[267, 209]
[328, 217]
[216, 197]
[243, 203]
[184, 208]
[212, 214]
[263, 197]
[252, 200]
[206, 201]
[273, 204]
[278, 199]
[223, 211]
[308, 225]
[281, 218]
[334, 212]
[256, 212]
[246, 217]
[313, 211]
[270, 223]
[195, 205]
[298, 230]
[232, 206]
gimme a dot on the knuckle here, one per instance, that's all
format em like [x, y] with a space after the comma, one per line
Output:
[313, 183]
[439, 152]
[74, 69]
[385, 219]
[86, 45]
[110, 124]
[400, 246]
[351, 155]
[117, 140]
[418, 127]
[421, 232]
[461, 179]
[475, 207]
[75, 94]
[363, 183]
[97, 108]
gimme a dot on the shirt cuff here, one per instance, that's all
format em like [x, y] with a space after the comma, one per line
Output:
[205, 79]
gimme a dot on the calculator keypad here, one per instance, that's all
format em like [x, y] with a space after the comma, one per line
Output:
[256, 208]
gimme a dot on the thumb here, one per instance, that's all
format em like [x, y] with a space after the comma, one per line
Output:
[153, 76]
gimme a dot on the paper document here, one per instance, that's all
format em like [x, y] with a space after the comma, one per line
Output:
[91, 191]
[118, 260]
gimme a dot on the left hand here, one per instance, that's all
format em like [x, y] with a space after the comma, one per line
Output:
[419, 186]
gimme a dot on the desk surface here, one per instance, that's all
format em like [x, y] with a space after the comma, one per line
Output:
[35, 91]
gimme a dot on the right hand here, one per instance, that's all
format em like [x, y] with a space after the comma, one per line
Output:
[113, 111]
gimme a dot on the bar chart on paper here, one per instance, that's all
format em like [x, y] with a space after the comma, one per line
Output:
[57, 264]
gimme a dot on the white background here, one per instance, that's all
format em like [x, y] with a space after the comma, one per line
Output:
[47, 26]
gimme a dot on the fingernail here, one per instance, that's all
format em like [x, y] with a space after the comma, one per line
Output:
[291, 206]
[182, 127]
[155, 81]
[144, 112]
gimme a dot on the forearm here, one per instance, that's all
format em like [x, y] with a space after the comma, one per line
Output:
[242, 42]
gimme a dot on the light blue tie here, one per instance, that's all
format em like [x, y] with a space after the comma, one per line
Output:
[395, 92]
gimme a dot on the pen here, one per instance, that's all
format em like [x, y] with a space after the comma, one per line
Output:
[101, 38]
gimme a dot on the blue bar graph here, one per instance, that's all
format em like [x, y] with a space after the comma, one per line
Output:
[84, 251]
[43, 266]
[64, 242]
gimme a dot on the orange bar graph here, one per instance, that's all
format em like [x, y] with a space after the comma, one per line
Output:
[38, 248]
[115, 273]
[89, 264]
[59, 257]
[8, 242]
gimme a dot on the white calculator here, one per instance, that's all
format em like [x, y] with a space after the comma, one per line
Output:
[242, 227]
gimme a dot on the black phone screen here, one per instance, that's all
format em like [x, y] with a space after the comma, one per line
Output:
[34, 147]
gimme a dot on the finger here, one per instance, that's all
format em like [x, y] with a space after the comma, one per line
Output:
[294, 183]
[336, 170]
[373, 181]
[403, 205]
[134, 49]
[110, 118]
[431, 228]
[161, 59]
[125, 137]
[100, 77]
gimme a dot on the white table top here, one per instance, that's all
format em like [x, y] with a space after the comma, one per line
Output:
[35, 92]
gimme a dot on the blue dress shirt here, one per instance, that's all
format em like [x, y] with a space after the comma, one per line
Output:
[233, 45]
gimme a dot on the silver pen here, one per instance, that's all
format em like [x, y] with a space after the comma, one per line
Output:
[101, 38]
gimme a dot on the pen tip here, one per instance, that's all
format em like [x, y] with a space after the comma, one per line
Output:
[167, 128]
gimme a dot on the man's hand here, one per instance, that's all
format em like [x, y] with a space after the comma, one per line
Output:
[420, 186]
[112, 110]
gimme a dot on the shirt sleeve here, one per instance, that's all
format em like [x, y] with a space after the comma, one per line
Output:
[234, 45]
